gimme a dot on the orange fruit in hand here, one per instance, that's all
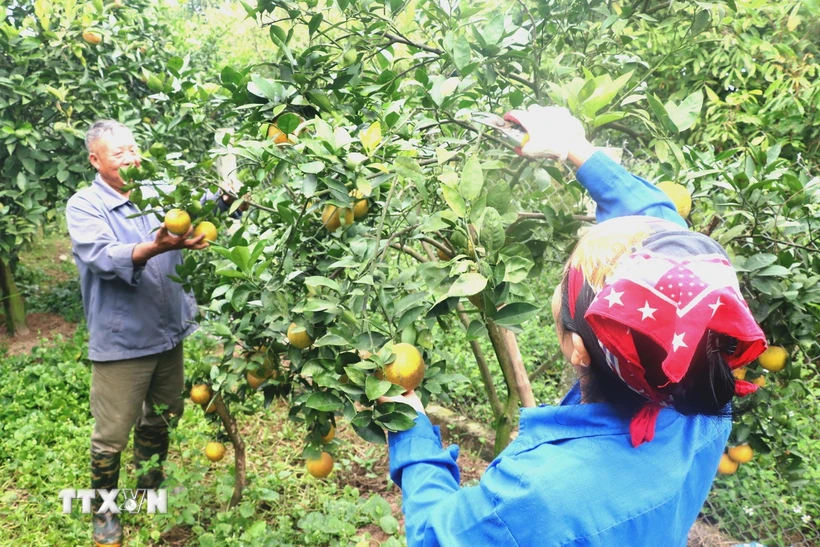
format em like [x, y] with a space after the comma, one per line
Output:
[178, 222]
[727, 466]
[407, 370]
[320, 467]
[206, 228]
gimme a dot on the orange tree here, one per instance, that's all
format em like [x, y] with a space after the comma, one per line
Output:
[63, 65]
[379, 213]
[366, 106]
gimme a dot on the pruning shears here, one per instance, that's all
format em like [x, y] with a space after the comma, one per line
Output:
[510, 129]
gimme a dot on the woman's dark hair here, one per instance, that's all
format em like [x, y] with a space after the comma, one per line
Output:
[706, 389]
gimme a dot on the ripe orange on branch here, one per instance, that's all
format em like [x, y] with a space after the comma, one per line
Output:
[301, 339]
[331, 217]
[774, 358]
[278, 136]
[742, 453]
[200, 394]
[320, 467]
[727, 465]
[215, 451]
[92, 36]
[362, 206]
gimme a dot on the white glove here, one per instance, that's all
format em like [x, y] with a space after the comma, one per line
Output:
[552, 131]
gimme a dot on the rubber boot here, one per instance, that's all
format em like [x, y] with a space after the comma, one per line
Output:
[149, 441]
[105, 474]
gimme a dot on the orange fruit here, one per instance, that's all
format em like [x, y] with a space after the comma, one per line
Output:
[679, 196]
[200, 394]
[320, 467]
[254, 381]
[301, 340]
[443, 256]
[330, 435]
[92, 36]
[774, 358]
[215, 451]
[278, 136]
[331, 220]
[407, 370]
[727, 466]
[740, 373]
[760, 381]
[362, 206]
[178, 222]
[206, 228]
[742, 453]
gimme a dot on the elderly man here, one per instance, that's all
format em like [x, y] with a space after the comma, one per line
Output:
[137, 317]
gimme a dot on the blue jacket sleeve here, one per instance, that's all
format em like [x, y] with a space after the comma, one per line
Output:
[436, 511]
[618, 193]
[96, 246]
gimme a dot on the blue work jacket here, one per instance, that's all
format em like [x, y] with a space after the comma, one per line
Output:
[572, 476]
[131, 311]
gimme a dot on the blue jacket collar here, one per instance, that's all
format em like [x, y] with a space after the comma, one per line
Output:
[110, 197]
[572, 420]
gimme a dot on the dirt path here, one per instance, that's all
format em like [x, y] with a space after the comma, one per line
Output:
[43, 326]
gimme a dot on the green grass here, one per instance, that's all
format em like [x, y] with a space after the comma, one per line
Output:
[44, 440]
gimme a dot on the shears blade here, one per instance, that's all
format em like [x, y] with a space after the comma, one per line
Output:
[510, 130]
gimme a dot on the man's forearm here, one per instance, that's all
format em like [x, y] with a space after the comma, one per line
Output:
[143, 252]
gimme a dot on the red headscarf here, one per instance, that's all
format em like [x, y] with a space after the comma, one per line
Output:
[669, 284]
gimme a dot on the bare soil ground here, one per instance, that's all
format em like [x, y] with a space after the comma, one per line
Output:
[44, 327]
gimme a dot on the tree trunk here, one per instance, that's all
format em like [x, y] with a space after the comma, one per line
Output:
[240, 479]
[13, 304]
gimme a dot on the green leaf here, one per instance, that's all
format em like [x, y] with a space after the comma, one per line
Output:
[700, 22]
[454, 200]
[759, 261]
[661, 114]
[324, 402]
[461, 53]
[371, 137]
[312, 167]
[375, 388]
[268, 89]
[389, 524]
[514, 314]
[476, 331]
[468, 284]
[492, 234]
[331, 340]
[499, 197]
[288, 122]
[472, 179]
[687, 113]
[314, 23]
[605, 91]
[516, 268]
[320, 99]
[775, 270]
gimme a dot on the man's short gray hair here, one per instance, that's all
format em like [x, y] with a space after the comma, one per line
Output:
[101, 128]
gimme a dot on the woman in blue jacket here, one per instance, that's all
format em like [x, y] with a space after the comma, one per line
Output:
[651, 317]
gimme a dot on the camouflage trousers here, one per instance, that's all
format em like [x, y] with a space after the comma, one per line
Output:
[123, 396]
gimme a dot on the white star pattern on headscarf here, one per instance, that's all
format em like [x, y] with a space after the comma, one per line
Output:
[715, 306]
[678, 342]
[614, 297]
[647, 311]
